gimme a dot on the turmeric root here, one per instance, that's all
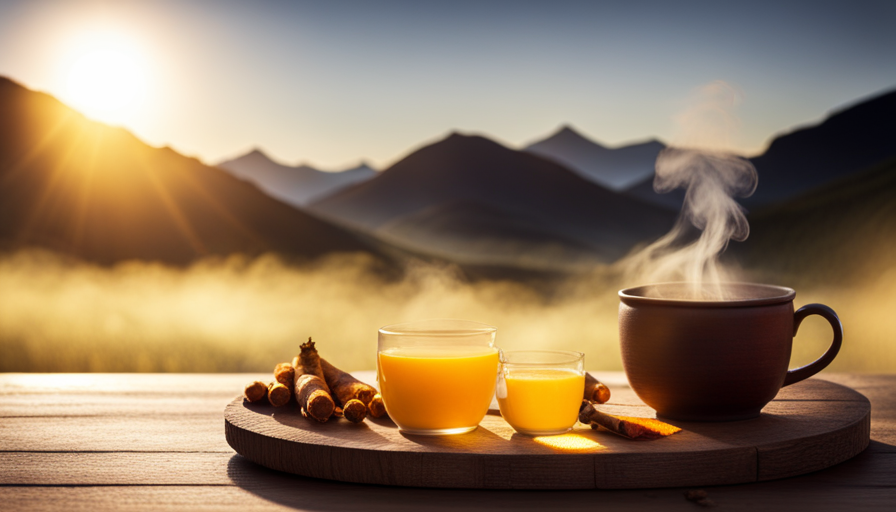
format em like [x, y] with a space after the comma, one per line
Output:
[278, 394]
[595, 390]
[313, 397]
[376, 407]
[344, 386]
[308, 362]
[256, 391]
[285, 374]
[354, 411]
[632, 428]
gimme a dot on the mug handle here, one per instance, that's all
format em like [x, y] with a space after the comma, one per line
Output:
[798, 374]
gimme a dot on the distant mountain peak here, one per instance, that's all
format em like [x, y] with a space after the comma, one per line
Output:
[297, 184]
[363, 166]
[570, 134]
[257, 151]
[615, 168]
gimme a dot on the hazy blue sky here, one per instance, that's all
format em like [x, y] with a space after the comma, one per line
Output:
[331, 82]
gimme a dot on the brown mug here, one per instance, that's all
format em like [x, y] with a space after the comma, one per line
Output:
[714, 360]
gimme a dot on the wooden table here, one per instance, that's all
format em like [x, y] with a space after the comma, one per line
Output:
[156, 442]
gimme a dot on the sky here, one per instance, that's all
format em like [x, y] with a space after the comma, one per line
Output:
[333, 83]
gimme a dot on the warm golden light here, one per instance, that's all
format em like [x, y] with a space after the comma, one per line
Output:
[106, 79]
[569, 443]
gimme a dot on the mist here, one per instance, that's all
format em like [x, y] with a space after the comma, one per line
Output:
[238, 314]
[245, 315]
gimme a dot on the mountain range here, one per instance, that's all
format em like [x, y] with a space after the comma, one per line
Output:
[463, 193]
[616, 169]
[96, 192]
[297, 185]
[80, 187]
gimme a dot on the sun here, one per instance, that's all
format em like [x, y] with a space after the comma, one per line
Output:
[106, 82]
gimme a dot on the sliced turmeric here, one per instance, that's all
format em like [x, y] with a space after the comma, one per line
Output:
[278, 394]
[256, 391]
[626, 426]
[314, 397]
[344, 386]
[595, 390]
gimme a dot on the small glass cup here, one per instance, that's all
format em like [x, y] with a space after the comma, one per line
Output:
[437, 377]
[540, 391]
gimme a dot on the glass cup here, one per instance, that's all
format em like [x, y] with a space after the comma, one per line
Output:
[539, 391]
[437, 377]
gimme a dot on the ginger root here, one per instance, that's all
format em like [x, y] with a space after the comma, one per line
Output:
[344, 386]
[314, 397]
[278, 394]
[256, 391]
[595, 390]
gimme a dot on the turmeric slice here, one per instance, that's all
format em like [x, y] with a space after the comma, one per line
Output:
[344, 386]
[632, 428]
[314, 397]
[256, 391]
[354, 411]
[595, 390]
[376, 407]
[278, 394]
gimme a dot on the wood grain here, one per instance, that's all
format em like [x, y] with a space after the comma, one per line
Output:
[803, 432]
[168, 433]
[135, 475]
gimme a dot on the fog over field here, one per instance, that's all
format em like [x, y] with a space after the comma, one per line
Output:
[245, 315]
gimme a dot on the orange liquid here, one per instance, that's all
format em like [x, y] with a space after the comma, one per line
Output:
[436, 388]
[542, 401]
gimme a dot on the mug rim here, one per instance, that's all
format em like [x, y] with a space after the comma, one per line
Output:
[773, 294]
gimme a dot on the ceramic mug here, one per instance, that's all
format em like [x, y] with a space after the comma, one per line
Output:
[714, 360]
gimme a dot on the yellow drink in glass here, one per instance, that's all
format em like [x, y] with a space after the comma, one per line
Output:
[438, 376]
[437, 388]
[539, 392]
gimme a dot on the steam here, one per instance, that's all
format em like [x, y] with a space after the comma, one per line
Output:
[712, 176]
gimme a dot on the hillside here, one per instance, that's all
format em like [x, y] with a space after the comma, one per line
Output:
[842, 233]
[613, 168]
[846, 142]
[297, 185]
[97, 192]
[470, 233]
[532, 191]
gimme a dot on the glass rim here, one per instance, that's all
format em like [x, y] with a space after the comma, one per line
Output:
[427, 328]
[574, 356]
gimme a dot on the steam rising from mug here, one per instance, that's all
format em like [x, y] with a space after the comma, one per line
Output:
[712, 178]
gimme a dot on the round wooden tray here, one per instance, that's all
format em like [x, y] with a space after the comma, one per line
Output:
[809, 426]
